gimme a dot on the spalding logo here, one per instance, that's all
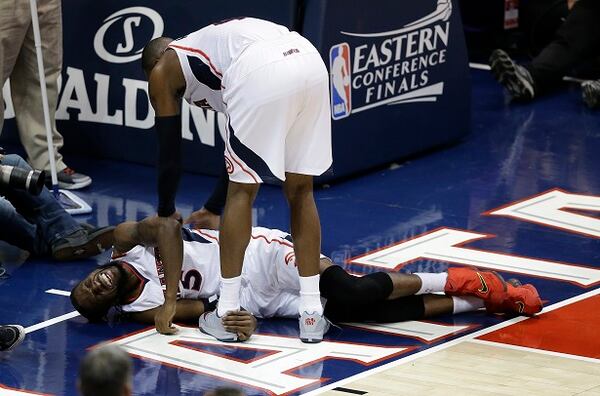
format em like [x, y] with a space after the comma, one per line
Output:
[127, 50]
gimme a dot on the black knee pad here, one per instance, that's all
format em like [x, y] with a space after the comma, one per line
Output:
[387, 311]
[338, 285]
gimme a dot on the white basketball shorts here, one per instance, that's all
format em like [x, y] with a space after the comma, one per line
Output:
[277, 101]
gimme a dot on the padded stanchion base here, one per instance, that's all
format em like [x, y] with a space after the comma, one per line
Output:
[72, 203]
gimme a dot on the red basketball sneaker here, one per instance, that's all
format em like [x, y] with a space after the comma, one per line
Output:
[520, 300]
[487, 285]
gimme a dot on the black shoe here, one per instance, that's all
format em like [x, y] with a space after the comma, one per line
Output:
[69, 179]
[515, 78]
[11, 336]
[590, 91]
[83, 243]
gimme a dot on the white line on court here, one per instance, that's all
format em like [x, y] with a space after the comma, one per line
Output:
[58, 319]
[479, 66]
[59, 292]
[51, 322]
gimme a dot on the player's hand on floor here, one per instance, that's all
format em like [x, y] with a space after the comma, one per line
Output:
[203, 218]
[163, 320]
[241, 322]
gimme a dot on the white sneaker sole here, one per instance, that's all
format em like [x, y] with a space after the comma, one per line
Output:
[74, 186]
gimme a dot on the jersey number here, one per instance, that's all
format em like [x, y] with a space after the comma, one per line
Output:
[191, 280]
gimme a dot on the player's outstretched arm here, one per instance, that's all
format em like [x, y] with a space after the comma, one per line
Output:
[164, 233]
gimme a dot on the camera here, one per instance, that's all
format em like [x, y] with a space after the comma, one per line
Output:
[30, 180]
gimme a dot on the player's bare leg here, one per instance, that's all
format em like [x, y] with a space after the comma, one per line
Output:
[306, 233]
[304, 222]
[404, 285]
[236, 228]
[441, 305]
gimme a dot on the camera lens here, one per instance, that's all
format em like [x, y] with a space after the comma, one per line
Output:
[29, 180]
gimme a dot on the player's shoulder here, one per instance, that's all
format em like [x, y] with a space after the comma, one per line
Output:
[167, 75]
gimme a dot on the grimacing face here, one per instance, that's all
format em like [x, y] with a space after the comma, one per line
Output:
[100, 288]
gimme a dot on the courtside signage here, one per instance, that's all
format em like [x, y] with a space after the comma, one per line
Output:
[123, 28]
[392, 67]
[339, 66]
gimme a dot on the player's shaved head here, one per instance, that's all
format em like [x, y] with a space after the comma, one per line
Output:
[153, 51]
[93, 298]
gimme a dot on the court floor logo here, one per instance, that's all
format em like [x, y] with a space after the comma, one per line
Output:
[390, 67]
[120, 45]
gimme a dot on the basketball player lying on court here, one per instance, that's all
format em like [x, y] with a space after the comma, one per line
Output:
[145, 251]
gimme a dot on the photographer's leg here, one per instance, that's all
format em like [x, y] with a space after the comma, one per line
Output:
[44, 210]
[25, 86]
[15, 229]
[15, 18]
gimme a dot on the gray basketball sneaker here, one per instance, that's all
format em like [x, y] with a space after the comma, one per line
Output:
[515, 78]
[590, 91]
[11, 336]
[210, 323]
[312, 327]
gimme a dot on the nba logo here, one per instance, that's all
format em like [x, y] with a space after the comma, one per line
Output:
[339, 66]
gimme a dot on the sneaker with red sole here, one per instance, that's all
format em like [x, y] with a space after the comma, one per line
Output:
[520, 300]
[486, 285]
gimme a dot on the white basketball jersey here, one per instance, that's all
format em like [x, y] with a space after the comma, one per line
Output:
[270, 280]
[200, 270]
[206, 55]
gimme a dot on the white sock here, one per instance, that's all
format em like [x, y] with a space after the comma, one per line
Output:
[310, 296]
[432, 283]
[229, 297]
[466, 304]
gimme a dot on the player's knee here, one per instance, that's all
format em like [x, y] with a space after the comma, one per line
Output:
[298, 187]
[242, 191]
[17, 161]
[324, 263]
[337, 284]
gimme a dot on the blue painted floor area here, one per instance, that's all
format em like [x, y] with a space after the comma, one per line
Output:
[515, 151]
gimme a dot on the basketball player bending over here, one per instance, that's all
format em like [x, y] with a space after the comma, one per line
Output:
[274, 88]
[148, 252]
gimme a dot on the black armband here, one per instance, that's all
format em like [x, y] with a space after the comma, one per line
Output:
[168, 131]
[216, 202]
